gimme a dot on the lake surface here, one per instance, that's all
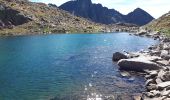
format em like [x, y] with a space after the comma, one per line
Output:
[66, 66]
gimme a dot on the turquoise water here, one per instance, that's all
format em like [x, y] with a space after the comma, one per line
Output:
[66, 67]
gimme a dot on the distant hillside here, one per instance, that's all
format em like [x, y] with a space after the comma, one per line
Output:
[161, 24]
[100, 14]
[19, 17]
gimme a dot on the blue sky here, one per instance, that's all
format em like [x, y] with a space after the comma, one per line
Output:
[155, 7]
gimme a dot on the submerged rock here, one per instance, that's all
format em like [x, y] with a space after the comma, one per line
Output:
[139, 64]
[117, 56]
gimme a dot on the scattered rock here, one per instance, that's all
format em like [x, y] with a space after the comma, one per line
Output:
[149, 81]
[163, 62]
[132, 55]
[166, 57]
[117, 56]
[151, 87]
[155, 52]
[152, 47]
[154, 73]
[163, 85]
[166, 46]
[166, 40]
[137, 98]
[149, 94]
[156, 63]
[158, 80]
[166, 76]
[164, 53]
[142, 32]
[165, 93]
[155, 93]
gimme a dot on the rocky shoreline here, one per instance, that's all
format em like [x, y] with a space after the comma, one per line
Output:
[155, 63]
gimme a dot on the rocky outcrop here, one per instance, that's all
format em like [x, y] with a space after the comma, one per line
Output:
[118, 56]
[140, 64]
[100, 14]
[10, 17]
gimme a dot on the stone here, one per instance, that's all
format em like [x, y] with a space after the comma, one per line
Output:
[154, 73]
[148, 76]
[124, 73]
[164, 53]
[117, 56]
[152, 47]
[163, 62]
[151, 87]
[149, 81]
[166, 40]
[158, 80]
[166, 57]
[137, 97]
[139, 64]
[156, 93]
[166, 46]
[132, 55]
[149, 94]
[166, 76]
[163, 85]
[142, 32]
[165, 93]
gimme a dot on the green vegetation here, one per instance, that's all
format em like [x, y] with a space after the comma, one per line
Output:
[161, 24]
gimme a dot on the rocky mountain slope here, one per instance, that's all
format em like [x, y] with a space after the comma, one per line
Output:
[138, 17]
[161, 24]
[100, 14]
[18, 17]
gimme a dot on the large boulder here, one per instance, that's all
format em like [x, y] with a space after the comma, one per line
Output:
[163, 85]
[117, 56]
[138, 64]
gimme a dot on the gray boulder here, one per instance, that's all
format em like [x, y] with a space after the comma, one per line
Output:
[117, 56]
[142, 32]
[163, 85]
[165, 76]
[164, 53]
[138, 64]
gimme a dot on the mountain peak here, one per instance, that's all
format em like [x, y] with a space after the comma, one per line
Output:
[100, 14]
[84, 1]
[139, 17]
[139, 10]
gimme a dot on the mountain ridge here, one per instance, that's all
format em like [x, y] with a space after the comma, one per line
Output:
[26, 18]
[100, 14]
